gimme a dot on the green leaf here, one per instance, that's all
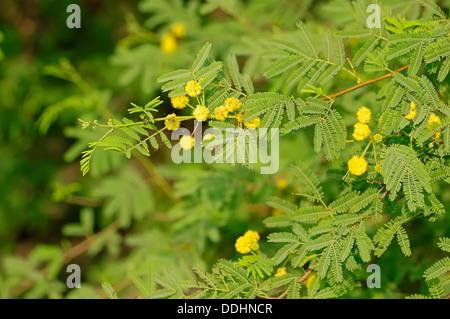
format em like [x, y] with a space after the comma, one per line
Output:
[402, 169]
[175, 75]
[416, 60]
[346, 246]
[333, 131]
[364, 243]
[403, 241]
[283, 205]
[202, 55]
[438, 269]
[109, 290]
[284, 251]
[444, 244]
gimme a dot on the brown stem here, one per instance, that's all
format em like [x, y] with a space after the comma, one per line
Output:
[70, 254]
[364, 83]
[302, 279]
[161, 181]
[82, 247]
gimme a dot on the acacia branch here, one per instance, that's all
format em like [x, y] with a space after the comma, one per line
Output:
[364, 83]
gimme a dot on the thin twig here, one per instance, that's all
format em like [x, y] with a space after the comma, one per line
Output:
[302, 279]
[70, 254]
[364, 83]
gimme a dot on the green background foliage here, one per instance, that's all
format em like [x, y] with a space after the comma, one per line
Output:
[145, 227]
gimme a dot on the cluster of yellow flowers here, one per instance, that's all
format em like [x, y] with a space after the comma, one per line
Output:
[201, 112]
[232, 104]
[248, 242]
[361, 129]
[412, 111]
[357, 165]
[434, 119]
[253, 124]
[169, 42]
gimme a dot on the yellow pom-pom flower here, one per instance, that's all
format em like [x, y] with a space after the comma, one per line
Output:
[253, 124]
[281, 183]
[178, 29]
[412, 112]
[357, 165]
[434, 119]
[168, 43]
[171, 122]
[179, 102]
[281, 272]
[232, 104]
[364, 115]
[221, 113]
[377, 168]
[361, 132]
[201, 113]
[193, 88]
[248, 242]
[187, 142]
[378, 138]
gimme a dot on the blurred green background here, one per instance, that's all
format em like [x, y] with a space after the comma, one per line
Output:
[51, 75]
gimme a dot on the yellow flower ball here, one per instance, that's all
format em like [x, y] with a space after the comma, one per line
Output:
[179, 102]
[281, 272]
[201, 113]
[221, 113]
[193, 88]
[364, 115]
[357, 165]
[377, 168]
[361, 132]
[281, 183]
[248, 242]
[232, 104]
[171, 122]
[434, 119]
[187, 142]
[378, 138]
[168, 43]
[178, 30]
[253, 124]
